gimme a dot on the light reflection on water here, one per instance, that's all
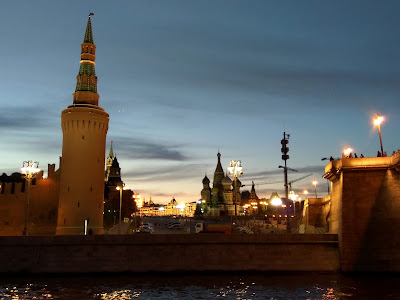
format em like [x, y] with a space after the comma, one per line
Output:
[202, 286]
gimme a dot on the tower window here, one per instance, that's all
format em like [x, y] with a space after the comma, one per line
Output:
[78, 204]
[83, 137]
[91, 189]
[68, 189]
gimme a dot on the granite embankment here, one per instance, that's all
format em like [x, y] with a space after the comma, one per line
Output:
[164, 253]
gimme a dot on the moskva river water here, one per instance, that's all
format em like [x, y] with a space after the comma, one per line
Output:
[203, 286]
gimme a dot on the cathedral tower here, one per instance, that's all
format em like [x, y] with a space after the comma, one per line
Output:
[84, 125]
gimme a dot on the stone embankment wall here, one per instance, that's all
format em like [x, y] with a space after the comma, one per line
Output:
[178, 252]
[365, 212]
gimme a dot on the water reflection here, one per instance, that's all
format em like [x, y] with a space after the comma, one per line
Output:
[203, 286]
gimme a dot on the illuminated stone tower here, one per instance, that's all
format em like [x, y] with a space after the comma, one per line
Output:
[84, 125]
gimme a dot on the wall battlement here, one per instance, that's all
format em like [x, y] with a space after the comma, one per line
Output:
[42, 208]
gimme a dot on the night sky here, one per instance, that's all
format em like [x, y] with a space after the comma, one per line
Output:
[183, 80]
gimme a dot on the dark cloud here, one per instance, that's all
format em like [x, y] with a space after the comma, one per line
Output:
[141, 148]
[165, 174]
[279, 171]
[276, 176]
[26, 118]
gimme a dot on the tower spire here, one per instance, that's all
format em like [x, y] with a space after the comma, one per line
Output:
[111, 155]
[219, 166]
[86, 81]
[89, 34]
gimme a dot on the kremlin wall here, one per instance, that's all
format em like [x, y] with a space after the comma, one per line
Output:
[42, 209]
[360, 217]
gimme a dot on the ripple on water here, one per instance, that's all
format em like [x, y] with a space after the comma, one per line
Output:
[202, 286]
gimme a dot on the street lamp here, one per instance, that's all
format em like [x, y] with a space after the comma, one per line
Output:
[235, 168]
[294, 197]
[305, 192]
[29, 170]
[315, 187]
[377, 121]
[137, 205]
[347, 151]
[277, 202]
[120, 187]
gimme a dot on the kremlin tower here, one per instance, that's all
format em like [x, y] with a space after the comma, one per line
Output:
[84, 125]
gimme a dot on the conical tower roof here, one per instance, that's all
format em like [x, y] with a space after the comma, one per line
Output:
[218, 174]
[253, 190]
[253, 195]
[115, 163]
[274, 195]
[111, 154]
[89, 34]
[86, 81]
[219, 166]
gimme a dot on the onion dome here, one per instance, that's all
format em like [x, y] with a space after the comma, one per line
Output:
[206, 180]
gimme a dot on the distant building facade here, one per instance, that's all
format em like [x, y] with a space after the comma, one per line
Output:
[171, 209]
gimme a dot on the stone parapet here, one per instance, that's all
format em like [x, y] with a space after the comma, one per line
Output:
[163, 253]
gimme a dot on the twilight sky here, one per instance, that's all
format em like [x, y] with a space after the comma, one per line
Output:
[183, 79]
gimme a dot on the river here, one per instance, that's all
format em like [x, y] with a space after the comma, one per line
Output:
[203, 286]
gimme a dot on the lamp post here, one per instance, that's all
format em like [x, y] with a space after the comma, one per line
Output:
[377, 121]
[120, 187]
[29, 170]
[305, 192]
[315, 187]
[294, 197]
[347, 151]
[235, 168]
[138, 205]
[277, 202]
